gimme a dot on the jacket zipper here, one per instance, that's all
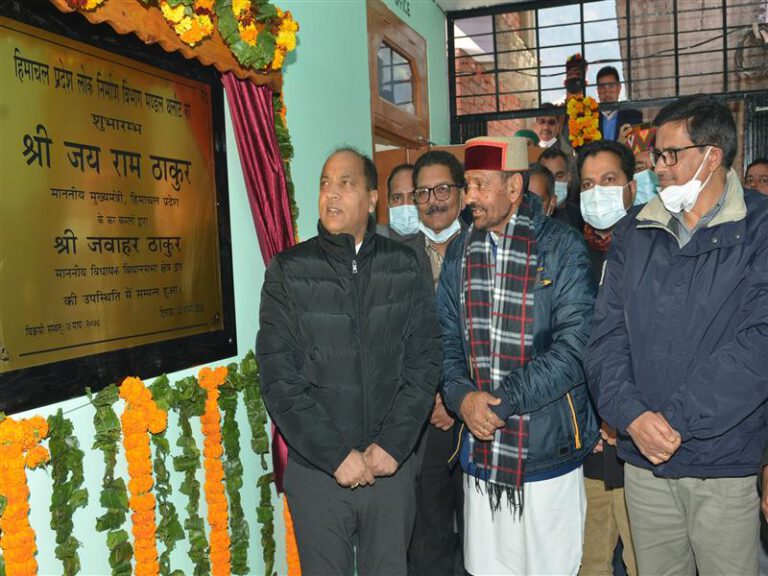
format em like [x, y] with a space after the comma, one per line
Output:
[360, 340]
[573, 419]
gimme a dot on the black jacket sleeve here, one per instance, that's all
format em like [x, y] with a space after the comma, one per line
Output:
[306, 426]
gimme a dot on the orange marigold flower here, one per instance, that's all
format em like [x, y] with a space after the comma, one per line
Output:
[37, 455]
[140, 484]
[142, 502]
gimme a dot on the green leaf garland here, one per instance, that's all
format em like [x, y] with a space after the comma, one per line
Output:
[190, 399]
[68, 494]
[114, 494]
[259, 56]
[233, 471]
[257, 418]
[169, 529]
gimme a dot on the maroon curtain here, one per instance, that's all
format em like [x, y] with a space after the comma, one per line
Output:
[254, 120]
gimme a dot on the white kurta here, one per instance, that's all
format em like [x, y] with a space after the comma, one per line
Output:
[548, 539]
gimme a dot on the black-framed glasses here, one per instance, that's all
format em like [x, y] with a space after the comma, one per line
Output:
[441, 192]
[669, 155]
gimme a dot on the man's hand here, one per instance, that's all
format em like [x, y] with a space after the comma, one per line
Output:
[622, 133]
[654, 437]
[477, 415]
[764, 501]
[440, 417]
[608, 433]
[598, 449]
[379, 461]
[354, 471]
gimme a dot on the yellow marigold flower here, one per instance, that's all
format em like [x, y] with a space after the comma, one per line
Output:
[277, 60]
[174, 15]
[286, 40]
[240, 6]
[288, 24]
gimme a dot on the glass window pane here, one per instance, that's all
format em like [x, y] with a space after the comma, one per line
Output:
[395, 78]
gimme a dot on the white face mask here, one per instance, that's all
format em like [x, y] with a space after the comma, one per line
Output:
[561, 192]
[679, 197]
[603, 206]
[547, 143]
[442, 236]
[404, 219]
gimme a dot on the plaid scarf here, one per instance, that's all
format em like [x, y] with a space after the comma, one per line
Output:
[497, 299]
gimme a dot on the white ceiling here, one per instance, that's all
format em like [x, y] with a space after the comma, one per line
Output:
[452, 5]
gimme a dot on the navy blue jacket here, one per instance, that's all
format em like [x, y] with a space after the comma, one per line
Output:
[684, 332]
[625, 116]
[563, 427]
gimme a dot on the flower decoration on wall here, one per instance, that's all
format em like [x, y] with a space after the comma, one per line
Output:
[19, 449]
[218, 515]
[582, 120]
[190, 19]
[258, 33]
[141, 416]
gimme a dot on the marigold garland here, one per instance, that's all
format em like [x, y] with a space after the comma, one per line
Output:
[210, 380]
[258, 34]
[291, 548]
[190, 19]
[19, 449]
[140, 416]
[583, 120]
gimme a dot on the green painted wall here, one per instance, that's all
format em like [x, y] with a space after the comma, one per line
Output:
[327, 86]
[328, 101]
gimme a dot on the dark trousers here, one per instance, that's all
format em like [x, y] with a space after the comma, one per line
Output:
[435, 547]
[329, 521]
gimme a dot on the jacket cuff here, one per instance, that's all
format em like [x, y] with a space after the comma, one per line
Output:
[334, 461]
[390, 449]
[455, 391]
[675, 420]
[631, 409]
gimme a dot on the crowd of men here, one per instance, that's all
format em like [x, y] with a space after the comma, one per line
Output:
[573, 381]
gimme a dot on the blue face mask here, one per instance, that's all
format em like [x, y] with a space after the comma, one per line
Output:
[444, 235]
[404, 219]
[561, 192]
[647, 186]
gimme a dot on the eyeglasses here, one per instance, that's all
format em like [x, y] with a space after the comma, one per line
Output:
[441, 192]
[550, 121]
[669, 155]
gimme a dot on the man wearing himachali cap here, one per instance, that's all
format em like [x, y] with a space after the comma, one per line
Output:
[515, 304]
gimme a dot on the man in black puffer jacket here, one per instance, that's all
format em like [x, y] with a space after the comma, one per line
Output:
[350, 354]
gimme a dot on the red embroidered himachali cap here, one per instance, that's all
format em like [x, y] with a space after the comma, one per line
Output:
[496, 153]
[641, 138]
